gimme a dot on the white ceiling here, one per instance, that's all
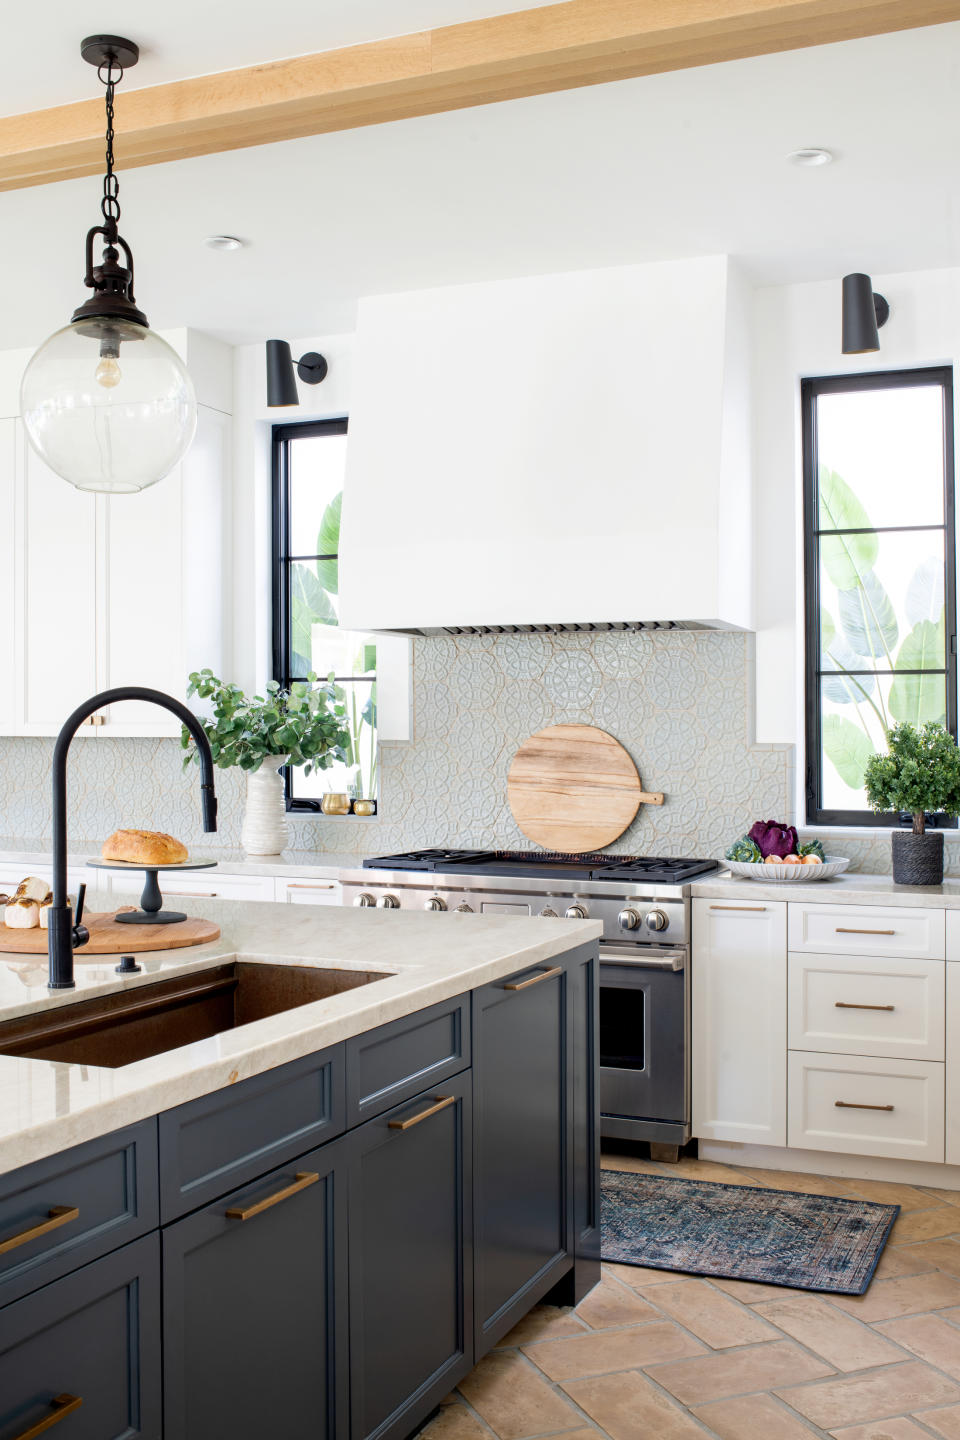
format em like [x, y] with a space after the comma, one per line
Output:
[181, 38]
[671, 165]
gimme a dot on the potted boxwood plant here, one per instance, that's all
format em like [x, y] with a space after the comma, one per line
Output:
[919, 774]
[303, 726]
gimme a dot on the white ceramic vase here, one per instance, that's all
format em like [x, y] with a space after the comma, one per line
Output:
[265, 829]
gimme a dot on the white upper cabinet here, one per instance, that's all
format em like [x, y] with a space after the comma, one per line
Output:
[558, 448]
[103, 591]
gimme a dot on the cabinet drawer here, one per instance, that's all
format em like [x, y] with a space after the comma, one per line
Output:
[67, 1210]
[92, 1342]
[211, 1145]
[395, 1062]
[309, 892]
[855, 1005]
[867, 930]
[887, 1107]
[208, 884]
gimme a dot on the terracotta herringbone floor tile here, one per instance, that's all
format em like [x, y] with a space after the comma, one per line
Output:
[753, 1417]
[884, 1430]
[604, 1370]
[841, 1341]
[628, 1407]
[943, 1422]
[856, 1399]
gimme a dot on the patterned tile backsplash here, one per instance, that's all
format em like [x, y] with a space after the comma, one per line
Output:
[681, 703]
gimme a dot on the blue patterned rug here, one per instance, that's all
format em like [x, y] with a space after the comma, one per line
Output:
[742, 1232]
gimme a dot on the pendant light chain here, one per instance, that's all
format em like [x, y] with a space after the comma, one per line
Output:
[110, 204]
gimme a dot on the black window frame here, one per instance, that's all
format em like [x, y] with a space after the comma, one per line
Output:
[280, 559]
[811, 389]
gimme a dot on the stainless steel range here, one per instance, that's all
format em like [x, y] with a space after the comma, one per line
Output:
[644, 906]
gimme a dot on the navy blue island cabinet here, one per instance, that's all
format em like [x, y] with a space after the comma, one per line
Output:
[322, 1251]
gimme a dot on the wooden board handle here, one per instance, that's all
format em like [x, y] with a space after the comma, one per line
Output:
[651, 797]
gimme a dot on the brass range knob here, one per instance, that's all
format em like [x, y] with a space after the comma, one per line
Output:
[629, 919]
[365, 901]
[550, 913]
[576, 912]
[465, 909]
[388, 902]
[657, 920]
[435, 903]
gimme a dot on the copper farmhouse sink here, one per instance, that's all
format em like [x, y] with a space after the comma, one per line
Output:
[116, 1030]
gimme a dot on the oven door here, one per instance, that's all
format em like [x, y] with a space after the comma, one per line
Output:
[644, 1022]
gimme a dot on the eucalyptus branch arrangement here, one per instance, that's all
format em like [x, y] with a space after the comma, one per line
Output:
[304, 726]
[920, 774]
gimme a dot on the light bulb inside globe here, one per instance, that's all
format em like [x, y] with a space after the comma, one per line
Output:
[108, 373]
[94, 431]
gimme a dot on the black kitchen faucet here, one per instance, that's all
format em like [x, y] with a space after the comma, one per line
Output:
[64, 935]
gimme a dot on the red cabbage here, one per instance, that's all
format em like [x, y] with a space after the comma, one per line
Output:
[772, 838]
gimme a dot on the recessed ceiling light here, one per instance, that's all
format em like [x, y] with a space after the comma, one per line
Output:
[810, 157]
[223, 242]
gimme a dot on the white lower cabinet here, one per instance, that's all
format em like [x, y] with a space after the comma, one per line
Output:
[739, 1021]
[200, 885]
[861, 1005]
[953, 1058]
[309, 892]
[862, 1106]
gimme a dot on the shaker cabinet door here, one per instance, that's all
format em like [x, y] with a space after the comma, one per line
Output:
[739, 1021]
[411, 1336]
[81, 1358]
[523, 1222]
[254, 1308]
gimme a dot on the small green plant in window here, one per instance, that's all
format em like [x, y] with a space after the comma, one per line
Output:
[305, 726]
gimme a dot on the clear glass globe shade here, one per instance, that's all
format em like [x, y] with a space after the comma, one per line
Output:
[108, 405]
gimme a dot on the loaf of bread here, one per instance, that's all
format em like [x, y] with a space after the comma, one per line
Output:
[144, 847]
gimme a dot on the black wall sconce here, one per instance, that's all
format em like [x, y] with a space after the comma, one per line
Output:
[281, 381]
[864, 313]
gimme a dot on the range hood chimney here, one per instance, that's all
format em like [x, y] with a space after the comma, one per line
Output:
[556, 453]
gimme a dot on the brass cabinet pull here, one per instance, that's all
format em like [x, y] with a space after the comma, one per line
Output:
[441, 1103]
[754, 908]
[192, 894]
[59, 1215]
[292, 886]
[853, 1105]
[535, 979]
[850, 1005]
[846, 930]
[63, 1405]
[304, 1179]
[99, 717]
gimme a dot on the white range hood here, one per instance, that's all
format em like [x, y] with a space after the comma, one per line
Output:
[564, 450]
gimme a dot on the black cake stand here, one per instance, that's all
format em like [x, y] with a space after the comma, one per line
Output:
[151, 910]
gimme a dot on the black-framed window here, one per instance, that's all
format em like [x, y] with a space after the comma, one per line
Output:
[880, 574]
[307, 478]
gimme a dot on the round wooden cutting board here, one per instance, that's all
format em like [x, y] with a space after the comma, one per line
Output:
[109, 938]
[574, 788]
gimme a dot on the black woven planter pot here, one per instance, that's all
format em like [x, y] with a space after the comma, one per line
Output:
[917, 859]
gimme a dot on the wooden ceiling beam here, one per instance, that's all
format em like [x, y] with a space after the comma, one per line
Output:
[531, 52]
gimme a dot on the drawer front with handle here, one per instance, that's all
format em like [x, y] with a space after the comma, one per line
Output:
[855, 1005]
[309, 892]
[867, 930]
[226, 1139]
[80, 1359]
[860, 1106]
[206, 885]
[62, 1212]
[394, 1062]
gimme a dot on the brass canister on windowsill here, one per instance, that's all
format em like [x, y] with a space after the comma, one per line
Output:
[364, 807]
[333, 804]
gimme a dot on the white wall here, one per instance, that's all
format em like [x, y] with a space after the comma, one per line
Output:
[796, 333]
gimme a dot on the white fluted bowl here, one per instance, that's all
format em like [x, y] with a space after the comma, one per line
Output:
[752, 870]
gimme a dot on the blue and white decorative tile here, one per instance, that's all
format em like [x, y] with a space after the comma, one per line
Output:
[572, 680]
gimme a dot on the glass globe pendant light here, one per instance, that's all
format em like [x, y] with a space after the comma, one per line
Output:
[106, 403]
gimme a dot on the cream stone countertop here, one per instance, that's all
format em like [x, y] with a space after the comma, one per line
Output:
[292, 864]
[48, 1106]
[843, 890]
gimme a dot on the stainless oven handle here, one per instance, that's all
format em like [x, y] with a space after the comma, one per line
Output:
[643, 959]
